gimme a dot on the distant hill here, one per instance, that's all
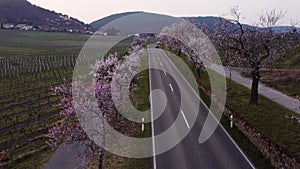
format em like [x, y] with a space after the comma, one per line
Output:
[209, 21]
[21, 14]
[136, 23]
[103, 21]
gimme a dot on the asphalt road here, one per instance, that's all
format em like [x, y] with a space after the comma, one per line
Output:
[218, 152]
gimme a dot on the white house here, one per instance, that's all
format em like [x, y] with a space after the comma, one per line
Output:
[8, 26]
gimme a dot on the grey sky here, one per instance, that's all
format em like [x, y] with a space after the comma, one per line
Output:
[91, 10]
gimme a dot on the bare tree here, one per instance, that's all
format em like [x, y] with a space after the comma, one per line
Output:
[252, 46]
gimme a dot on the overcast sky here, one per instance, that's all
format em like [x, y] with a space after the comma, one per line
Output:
[91, 10]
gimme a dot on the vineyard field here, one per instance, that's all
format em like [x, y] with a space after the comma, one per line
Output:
[31, 63]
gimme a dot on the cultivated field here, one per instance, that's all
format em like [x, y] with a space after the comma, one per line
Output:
[31, 63]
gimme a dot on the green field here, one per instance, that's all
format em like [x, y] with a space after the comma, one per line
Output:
[14, 43]
[27, 112]
[31, 63]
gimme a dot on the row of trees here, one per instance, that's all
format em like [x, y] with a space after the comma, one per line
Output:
[239, 44]
[185, 38]
[71, 129]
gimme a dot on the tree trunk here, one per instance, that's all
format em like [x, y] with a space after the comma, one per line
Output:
[100, 161]
[198, 72]
[179, 52]
[254, 88]
[101, 156]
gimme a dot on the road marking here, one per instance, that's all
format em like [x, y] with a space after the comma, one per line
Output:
[186, 122]
[143, 125]
[171, 87]
[165, 72]
[160, 63]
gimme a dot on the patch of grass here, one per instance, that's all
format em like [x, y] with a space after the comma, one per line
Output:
[284, 80]
[268, 117]
[290, 61]
[26, 43]
[20, 43]
[256, 157]
[35, 160]
[40, 39]
[34, 155]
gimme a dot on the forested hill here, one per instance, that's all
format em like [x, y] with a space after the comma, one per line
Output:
[21, 14]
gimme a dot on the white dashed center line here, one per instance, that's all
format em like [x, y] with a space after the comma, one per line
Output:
[186, 122]
[143, 125]
[171, 87]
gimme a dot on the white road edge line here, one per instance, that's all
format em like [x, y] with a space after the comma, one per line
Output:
[171, 87]
[165, 72]
[186, 122]
[211, 113]
[152, 122]
[160, 63]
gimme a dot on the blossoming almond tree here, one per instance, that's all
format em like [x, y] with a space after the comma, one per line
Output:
[69, 130]
[186, 38]
[252, 46]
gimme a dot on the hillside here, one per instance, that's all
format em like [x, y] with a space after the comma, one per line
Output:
[209, 21]
[21, 14]
[133, 22]
[103, 21]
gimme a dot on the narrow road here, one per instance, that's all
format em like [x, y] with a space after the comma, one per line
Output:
[218, 152]
[274, 95]
[65, 158]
